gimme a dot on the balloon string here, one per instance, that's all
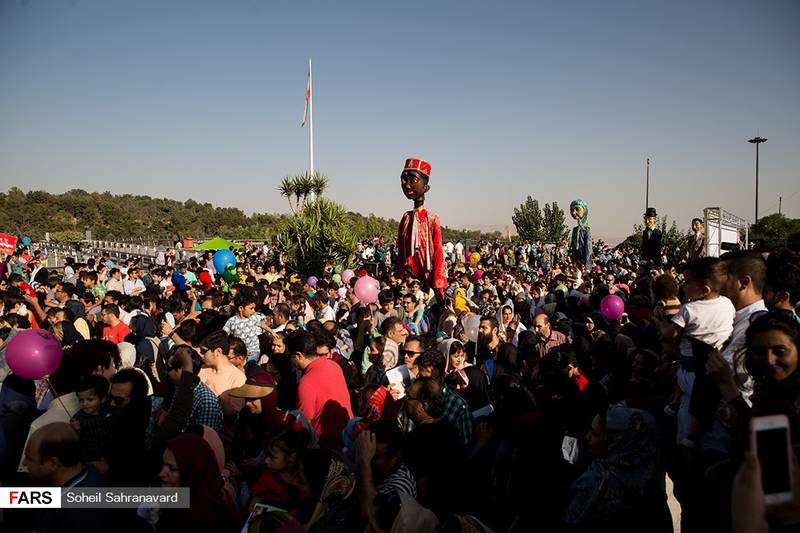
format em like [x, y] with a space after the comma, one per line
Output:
[57, 397]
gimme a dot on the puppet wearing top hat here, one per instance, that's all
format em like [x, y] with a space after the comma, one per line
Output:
[651, 238]
[419, 237]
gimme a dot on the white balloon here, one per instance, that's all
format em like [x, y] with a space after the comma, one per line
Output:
[471, 325]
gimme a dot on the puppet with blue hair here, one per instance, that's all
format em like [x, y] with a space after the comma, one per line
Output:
[580, 245]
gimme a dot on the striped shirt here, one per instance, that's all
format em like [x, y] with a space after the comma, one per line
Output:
[401, 480]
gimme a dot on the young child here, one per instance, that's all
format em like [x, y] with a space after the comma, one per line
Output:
[703, 323]
[247, 324]
[93, 421]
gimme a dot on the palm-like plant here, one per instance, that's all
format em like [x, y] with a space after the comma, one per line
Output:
[313, 237]
[305, 185]
[287, 190]
[319, 183]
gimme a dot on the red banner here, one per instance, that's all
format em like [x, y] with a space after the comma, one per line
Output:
[8, 243]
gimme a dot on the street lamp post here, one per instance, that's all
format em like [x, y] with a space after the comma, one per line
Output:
[757, 141]
[647, 187]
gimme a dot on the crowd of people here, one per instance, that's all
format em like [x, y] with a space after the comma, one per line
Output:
[506, 401]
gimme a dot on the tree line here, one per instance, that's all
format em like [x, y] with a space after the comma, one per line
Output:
[109, 216]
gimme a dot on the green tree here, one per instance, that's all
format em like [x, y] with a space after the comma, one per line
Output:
[775, 230]
[554, 225]
[527, 219]
[673, 241]
[128, 216]
[68, 236]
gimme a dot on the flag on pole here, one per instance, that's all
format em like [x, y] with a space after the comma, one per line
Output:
[308, 98]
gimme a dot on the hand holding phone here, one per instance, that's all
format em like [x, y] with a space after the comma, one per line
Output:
[770, 442]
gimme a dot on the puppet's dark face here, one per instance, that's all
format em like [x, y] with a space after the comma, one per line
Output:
[577, 212]
[414, 184]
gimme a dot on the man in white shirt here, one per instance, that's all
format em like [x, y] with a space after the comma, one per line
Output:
[114, 282]
[134, 284]
[459, 249]
[395, 333]
[324, 310]
[747, 274]
[448, 250]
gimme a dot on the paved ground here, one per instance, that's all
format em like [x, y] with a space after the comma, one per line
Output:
[674, 506]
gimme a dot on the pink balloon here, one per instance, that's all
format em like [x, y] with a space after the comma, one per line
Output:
[347, 275]
[367, 289]
[34, 353]
[612, 307]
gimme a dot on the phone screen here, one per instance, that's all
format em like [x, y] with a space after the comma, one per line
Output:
[774, 457]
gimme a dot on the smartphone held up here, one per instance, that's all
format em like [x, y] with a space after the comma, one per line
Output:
[770, 441]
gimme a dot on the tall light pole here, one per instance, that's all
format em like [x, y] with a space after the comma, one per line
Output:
[757, 141]
[647, 187]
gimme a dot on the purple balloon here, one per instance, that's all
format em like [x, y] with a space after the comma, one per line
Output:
[34, 353]
[367, 289]
[312, 280]
[612, 307]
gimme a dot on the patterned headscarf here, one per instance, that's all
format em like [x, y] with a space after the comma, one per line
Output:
[616, 483]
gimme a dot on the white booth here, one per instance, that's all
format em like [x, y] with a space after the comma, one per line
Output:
[724, 232]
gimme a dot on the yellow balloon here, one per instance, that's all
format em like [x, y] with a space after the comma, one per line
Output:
[475, 258]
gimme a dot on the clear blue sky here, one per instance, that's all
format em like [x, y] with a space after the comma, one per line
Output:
[555, 99]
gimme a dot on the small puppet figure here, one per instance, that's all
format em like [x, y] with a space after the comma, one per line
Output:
[696, 243]
[419, 236]
[580, 245]
[651, 238]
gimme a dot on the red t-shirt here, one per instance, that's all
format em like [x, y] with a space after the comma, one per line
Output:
[116, 334]
[323, 398]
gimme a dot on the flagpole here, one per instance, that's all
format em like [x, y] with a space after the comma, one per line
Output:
[310, 122]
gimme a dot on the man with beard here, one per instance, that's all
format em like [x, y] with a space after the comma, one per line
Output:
[496, 356]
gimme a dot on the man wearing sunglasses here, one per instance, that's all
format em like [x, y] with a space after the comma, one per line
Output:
[219, 374]
[412, 349]
[206, 408]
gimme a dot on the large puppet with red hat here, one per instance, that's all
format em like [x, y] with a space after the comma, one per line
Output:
[419, 237]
